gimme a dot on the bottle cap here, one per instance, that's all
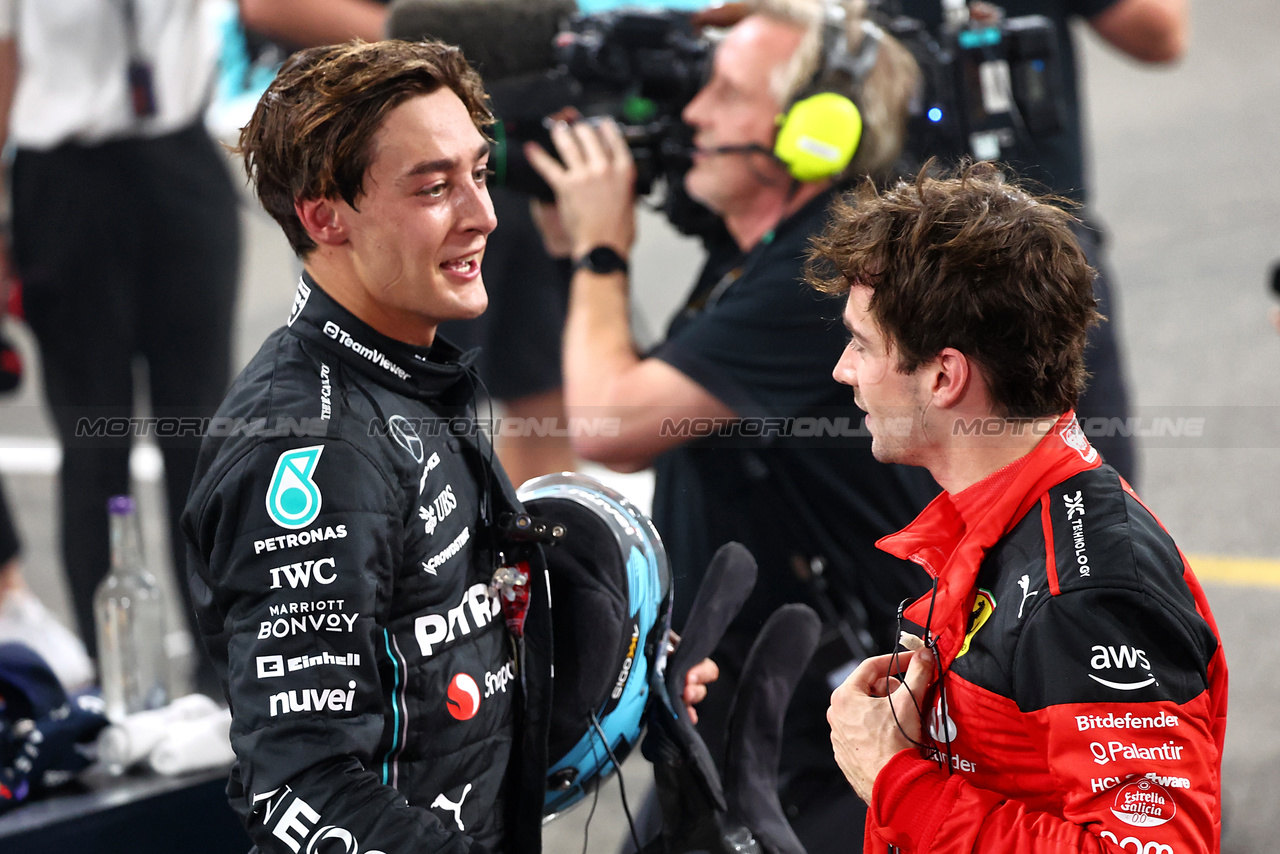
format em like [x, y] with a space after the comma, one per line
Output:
[120, 505]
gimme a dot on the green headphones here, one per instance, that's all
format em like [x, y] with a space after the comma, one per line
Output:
[819, 133]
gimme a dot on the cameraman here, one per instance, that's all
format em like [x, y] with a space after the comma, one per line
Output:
[750, 354]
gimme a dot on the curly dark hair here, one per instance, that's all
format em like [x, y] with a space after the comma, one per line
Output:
[311, 134]
[972, 261]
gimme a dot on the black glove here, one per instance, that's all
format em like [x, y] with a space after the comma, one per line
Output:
[688, 785]
[754, 741]
[742, 814]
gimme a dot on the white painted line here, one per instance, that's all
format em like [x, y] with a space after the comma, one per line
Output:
[29, 455]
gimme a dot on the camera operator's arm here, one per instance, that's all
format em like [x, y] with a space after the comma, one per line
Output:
[604, 376]
[308, 23]
[1147, 30]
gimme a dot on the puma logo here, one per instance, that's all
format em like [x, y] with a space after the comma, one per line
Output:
[1025, 583]
[456, 808]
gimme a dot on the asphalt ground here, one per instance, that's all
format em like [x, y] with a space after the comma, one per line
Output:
[1185, 179]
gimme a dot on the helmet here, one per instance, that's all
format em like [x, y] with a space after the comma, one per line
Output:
[610, 615]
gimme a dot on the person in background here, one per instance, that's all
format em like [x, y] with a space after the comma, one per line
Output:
[23, 617]
[306, 23]
[126, 237]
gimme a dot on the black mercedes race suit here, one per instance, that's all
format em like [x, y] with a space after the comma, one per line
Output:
[341, 547]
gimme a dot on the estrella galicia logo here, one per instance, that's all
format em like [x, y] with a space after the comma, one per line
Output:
[293, 500]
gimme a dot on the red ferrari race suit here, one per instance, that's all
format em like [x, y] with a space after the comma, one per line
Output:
[1083, 698]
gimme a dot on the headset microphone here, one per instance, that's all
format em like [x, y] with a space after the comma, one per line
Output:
[819, 134]
[745, 148]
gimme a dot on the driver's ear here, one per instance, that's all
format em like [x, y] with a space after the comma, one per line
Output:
[323, 220]
[952, 372]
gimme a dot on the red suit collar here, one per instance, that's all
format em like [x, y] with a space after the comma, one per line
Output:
[950, 536]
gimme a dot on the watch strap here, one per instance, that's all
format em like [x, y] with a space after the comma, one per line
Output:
[602, 260]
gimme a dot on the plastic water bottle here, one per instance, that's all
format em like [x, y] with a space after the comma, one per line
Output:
[129, 610]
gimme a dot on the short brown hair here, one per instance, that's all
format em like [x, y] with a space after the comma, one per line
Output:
[311, 135]
[974, 262]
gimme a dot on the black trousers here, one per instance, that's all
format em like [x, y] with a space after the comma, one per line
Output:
[129, 254]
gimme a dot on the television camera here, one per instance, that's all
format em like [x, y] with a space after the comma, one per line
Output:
[640, 67]
[990, 90]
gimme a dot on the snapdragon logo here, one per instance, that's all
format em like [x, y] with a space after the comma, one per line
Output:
[943, 730]
[497, 681]
[463, 697]
[293, 499]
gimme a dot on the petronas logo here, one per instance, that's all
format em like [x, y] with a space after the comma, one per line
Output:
[293, 501]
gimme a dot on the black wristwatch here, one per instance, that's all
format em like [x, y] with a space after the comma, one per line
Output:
[602, 260]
